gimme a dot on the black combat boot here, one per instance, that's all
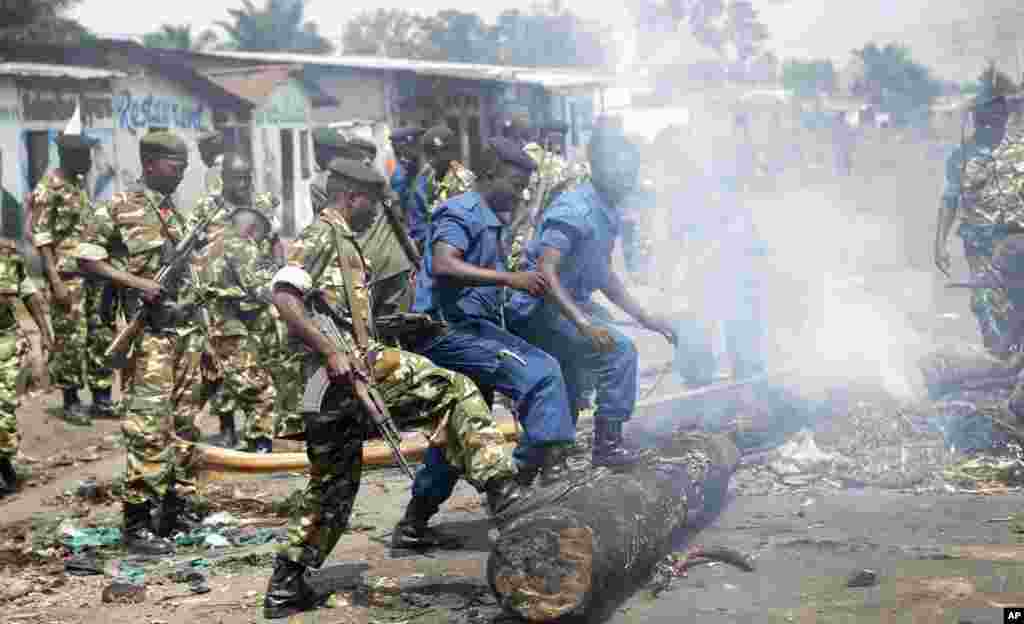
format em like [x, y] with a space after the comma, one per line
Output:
[102, 403]
[608, 450]
[555, 467]
[287, 592]
[228, 435]
[139, 538]
[8, 477]
[412, 530]
[176, 514]
[74, 412]
[507, 499]
[260, 446]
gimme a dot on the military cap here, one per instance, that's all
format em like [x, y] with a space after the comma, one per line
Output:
[76, 141]
[163, 144]
[438, 138]
[325, 136]
[356, 173]
[406, 136]
[508, 151]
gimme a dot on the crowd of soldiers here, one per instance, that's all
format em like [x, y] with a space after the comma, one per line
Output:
[418, 301]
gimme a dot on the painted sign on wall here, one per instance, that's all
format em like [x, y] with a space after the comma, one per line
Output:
[59, 105]
[288, 104]
[135, 112]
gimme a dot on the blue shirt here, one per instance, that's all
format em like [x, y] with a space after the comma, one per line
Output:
[468, 224]
[417, 207]
[583, 226]
[400, 182]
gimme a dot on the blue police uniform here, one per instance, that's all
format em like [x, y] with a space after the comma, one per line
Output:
[477, 346]
[583, 227]
[417, 206]
[400, 181]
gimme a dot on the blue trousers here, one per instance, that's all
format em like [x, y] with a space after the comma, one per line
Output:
[614, 374]
[480, 350]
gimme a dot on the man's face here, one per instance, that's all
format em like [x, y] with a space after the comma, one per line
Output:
[251, 225]
[164, 174]
[616, 168]
[238, 185]
[507, 187]
[75, 161]
[362, 209]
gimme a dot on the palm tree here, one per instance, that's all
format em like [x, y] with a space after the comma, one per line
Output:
[278, 26]
[40, 21]
[173, 37]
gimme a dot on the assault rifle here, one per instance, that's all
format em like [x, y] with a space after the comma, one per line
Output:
[366, 395]
[168, 276]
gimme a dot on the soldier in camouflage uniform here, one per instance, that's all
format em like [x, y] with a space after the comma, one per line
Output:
[441, 177]
[240, 336]
[983, 189]
[325, 264]
[63, 207]
[127, 244]
[14, 348]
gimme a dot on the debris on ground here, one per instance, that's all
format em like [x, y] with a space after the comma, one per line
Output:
[125, 593]
[76, 539]
[675, 565]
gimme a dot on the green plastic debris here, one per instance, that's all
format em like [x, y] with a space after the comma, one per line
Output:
[77, 540]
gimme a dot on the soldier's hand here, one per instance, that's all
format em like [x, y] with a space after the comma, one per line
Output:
[942, 259]
[45, 343]
[532, 282]
[339, 369]
[600, 337]
[61, 295]
[151, 291]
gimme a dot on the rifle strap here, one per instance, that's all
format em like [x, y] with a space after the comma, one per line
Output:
[353, 270]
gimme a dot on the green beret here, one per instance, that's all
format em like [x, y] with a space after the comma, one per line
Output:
[438, 138]
[76, 141]
[356, 174]
[163, 144]
[327, 137]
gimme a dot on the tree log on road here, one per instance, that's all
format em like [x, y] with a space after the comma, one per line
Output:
[608, 530]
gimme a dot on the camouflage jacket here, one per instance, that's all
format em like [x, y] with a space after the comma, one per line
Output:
[63, 209]
[314, 257]
[264, 203]
[15, 283]
[127, 231]
[990, 181]
[458, 180]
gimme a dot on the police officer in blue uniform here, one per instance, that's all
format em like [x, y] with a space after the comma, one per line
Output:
[438, 148]
[572, 248]
[463, 283]
[405, 142]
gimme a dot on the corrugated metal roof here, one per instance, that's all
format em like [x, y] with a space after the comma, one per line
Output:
[252, 83]
[47, 70]
[550, 78]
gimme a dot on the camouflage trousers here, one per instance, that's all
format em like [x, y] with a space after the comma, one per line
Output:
[165, 378]
[13, 352]
[100, 333]
[416, 392]
[245, 387]
[991, 306]
[67, 357]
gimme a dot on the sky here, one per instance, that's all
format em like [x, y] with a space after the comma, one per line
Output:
[798, 28]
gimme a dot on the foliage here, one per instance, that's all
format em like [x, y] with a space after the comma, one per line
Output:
[387, 32]
[41, 21]
[892, 81]
[278, 27]
[460, 37]
[809, 78]
[180, 38]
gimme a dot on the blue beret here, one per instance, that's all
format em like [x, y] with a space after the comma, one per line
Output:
[406, 136]
[510, 152]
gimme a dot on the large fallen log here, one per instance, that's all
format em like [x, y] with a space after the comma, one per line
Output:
[571, 556]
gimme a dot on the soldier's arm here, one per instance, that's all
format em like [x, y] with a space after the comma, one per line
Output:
[94, 259]
[31, 295]
[619, 294]
[61, 295]
[550, 260]
[42, 239]
[288, 301]
[103, 269]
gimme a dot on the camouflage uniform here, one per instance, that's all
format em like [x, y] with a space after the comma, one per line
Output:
[427, 193]
[63, 209]
[389, 268]
[232, 286]
[127, 233]
[986, 184]
[14, 344]
[416, 392]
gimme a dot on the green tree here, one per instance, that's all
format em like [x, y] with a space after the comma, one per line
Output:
[279, 26]
[40, 21]
[895, 83]
[180, 38]
[388, 32]
[809, 78]
[460, 37]
[551, 36]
